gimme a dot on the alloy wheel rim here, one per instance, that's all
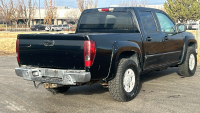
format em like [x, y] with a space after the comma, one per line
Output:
[129, 80]
[191, 62]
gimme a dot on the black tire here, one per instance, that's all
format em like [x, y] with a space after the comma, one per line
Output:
[116, 85]
[184, 68]
[58, 89]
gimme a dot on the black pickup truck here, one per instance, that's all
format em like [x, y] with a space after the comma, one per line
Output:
[111, 46]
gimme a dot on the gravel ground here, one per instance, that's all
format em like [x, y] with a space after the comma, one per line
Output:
[161, 92]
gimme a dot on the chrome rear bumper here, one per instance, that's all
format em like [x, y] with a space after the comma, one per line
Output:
[56, 76]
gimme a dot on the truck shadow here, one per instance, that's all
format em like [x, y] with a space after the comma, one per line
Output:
[99, 89]
[157, 74]
[86, 90]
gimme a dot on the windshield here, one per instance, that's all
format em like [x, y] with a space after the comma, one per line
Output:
[108, 22]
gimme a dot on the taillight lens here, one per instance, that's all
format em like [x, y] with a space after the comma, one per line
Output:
[89, 52]
[104, 9]
[17, 50]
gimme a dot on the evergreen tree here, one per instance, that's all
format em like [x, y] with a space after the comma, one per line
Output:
[183, 10]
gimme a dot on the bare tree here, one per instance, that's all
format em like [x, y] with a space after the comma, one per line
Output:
[26, 10]
[143, 3]
[7, 10]
[16, 12]
[127, 3]
[50, 13]
[86, 4]
[133, 3]
[72, 15]
[1, 13]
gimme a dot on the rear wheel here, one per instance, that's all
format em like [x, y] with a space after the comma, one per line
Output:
[124, 87]
[58, 89]
[188, 67]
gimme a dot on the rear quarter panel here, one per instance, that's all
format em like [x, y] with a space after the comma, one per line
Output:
[105, 53]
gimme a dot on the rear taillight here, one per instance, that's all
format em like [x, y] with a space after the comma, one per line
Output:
[17, 50]
[89, 52]
[33, 27]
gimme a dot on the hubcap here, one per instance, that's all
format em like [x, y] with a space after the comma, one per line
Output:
[191, 62]
[129, 80]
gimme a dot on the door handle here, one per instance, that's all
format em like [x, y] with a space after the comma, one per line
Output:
[149, 39]
[166, 38]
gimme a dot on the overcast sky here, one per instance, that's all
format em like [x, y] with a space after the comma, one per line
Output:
[102, 3]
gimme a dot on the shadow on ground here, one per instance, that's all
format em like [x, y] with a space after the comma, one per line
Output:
[99, 89]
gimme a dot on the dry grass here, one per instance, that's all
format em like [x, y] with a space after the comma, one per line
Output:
[7, 46]
[14, 34]
[70, 30]
[198, 56]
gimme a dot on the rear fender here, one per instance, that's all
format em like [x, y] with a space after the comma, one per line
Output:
[132, 51]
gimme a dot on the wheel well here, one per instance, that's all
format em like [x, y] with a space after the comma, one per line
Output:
[192, 44]
[132, 55]
[185, 51]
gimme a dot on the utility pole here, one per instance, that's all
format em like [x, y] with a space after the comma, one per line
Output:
[39, 12]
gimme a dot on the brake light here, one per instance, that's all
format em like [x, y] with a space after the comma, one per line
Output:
[33, 27]
[106, 10]
[89, 52]
[17, 50]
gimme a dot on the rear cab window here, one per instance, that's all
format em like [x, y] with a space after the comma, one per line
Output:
[148, 22]
[108, 22]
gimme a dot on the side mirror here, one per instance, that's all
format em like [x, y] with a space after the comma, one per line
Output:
[181, 28]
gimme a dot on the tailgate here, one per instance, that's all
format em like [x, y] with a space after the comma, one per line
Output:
[61, 51]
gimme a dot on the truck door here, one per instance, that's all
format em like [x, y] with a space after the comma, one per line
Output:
[152, 38]
[173, 42]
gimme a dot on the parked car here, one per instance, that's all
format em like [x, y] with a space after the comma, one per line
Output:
[48, 27]
[111, 46]
[187, 26]
[62, 27]
[54, 28]
[193, 26]
[37, 27]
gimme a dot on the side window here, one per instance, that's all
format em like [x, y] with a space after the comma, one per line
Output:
[165, 23]
[148, 21]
